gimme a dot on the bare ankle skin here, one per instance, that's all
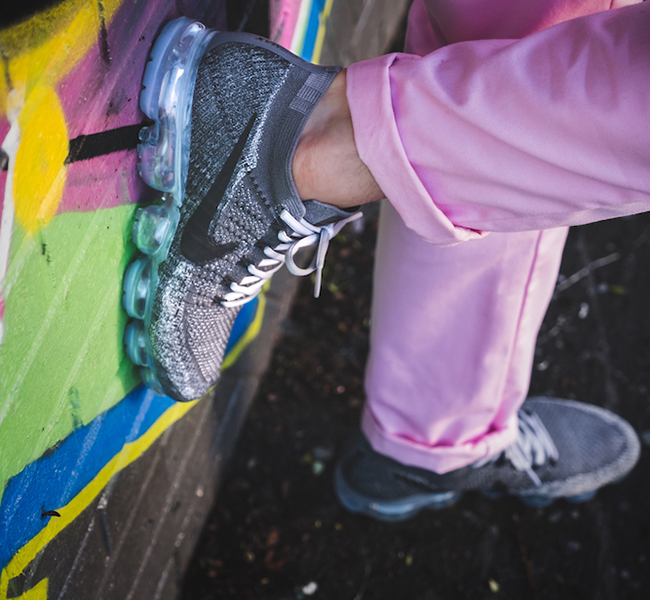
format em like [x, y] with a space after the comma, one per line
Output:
[326, 165]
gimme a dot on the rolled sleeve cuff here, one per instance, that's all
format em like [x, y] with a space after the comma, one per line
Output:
[380, 147]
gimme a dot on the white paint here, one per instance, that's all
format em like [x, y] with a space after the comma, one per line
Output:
[10, 146]
[298, 39]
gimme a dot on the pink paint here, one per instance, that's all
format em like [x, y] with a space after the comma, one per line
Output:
[283, 17]
[101, 93]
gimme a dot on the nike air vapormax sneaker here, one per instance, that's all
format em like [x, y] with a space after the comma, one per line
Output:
[565, 449]
[228, 109]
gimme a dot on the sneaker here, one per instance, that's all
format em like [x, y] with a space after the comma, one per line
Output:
[565, 449]
[227, 112]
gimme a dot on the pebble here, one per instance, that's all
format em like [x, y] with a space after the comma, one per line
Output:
[310, 588]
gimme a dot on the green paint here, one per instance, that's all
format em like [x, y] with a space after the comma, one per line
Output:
[75, 407]
[61, 360]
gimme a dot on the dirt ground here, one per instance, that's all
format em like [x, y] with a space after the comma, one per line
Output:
[278, 533]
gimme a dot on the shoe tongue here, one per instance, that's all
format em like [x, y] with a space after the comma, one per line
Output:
[318, 213]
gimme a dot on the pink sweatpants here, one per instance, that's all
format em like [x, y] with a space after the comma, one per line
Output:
[510, 117]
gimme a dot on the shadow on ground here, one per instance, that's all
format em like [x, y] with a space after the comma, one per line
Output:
[277, 531]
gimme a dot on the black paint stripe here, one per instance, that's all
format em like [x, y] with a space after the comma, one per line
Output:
[104, 49]
[104, 142]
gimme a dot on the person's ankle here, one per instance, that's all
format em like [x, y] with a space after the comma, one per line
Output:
[326, 165]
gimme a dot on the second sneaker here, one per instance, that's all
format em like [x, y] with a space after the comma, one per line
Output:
[564, 449]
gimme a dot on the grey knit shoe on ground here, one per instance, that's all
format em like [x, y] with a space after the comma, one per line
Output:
[228, 109]
[565, 449]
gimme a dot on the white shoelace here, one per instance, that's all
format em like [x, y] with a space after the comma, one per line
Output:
[532, 448]
[299, 235]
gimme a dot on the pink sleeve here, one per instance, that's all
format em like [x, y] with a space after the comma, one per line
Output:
[504, 135]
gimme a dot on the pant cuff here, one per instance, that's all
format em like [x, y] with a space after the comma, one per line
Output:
[439, 459]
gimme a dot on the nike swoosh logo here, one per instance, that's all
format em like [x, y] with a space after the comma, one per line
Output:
[196, 245]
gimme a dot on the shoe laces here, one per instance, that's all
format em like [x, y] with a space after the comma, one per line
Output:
[300, 234]
[533, 447]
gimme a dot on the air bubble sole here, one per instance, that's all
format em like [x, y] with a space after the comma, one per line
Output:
[400, 510]
[408, 507]
[166, 99]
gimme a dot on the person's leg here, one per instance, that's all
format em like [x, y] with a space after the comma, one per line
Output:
[454, 329]
[453, 333]
[452, 343]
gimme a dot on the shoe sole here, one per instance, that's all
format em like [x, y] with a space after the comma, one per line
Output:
[401, 510]
[396, 510]
[163, 152]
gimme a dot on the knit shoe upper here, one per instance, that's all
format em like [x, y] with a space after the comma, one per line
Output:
[564, 449]
[240, 217]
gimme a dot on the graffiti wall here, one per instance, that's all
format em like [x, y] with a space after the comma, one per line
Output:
[76, 426]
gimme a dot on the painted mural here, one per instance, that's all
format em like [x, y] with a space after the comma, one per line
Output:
[72, 411]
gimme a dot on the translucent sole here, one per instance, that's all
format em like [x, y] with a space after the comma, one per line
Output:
[163, 151]
[403, 510]
[153, 232]
[390, 511]
[400, 510]
[136, 288]
[542, 501]
[166, 98]
[581, 497]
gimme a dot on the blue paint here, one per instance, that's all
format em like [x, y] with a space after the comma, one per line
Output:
[244, 318]
[312, 28]
[57, 477]
[61, 473]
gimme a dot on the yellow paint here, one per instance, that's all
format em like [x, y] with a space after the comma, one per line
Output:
[23, 37]
[320, 35]
[251, 333]
[37, 54]
[39, 172]
[298, 39]
[42, 50]
[38, 592]
[129, 453]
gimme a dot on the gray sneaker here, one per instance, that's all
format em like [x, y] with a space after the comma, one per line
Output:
[228, 109]
[565, 449]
